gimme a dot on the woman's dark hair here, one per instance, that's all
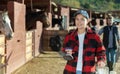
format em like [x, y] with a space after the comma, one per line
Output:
[109, 16]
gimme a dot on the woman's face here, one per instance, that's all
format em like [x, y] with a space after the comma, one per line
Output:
[80, 21]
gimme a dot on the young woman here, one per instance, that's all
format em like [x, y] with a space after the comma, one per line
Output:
[84, 45]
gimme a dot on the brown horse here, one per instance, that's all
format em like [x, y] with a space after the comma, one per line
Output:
[5, 26]
[32, 17]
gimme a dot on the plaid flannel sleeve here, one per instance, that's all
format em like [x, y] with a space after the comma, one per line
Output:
[100, 51]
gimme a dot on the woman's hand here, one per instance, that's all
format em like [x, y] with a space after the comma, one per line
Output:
[101, 64]
[68, 51]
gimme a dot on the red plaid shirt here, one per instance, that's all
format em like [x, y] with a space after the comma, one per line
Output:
[92, 47]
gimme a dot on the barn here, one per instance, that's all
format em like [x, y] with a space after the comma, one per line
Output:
[29, 38]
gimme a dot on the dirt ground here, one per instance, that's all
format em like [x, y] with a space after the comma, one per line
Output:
[49, 63]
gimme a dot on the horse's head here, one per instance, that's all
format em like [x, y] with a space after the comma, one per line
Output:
[45, 20]
[5, 26]
[32, 17]
[57, 21]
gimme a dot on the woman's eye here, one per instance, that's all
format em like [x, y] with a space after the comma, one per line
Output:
[77, 19]
[82, 19]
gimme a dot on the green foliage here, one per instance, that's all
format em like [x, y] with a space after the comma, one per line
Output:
[117, 6]
[97, 5]
[71, 3]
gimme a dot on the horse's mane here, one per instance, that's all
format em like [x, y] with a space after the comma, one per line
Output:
[4, 12]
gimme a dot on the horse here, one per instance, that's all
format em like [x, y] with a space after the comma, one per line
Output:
[5, 25]
[32, 17]
[57, 21]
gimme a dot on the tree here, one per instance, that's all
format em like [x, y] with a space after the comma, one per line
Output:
[71, 3]
[96, 5]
